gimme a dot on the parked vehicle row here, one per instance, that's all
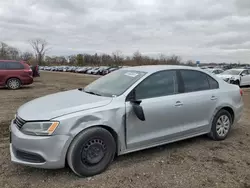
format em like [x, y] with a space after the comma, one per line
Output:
[102, 70]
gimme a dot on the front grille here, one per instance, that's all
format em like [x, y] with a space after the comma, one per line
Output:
[19, 122]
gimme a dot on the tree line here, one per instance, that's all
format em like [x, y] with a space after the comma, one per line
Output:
[40, 47]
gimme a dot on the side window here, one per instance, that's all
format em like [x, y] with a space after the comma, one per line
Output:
[220, 71]
[246, 72]
[14, 65]
[216, 72]
[159, 84]
[212, 83]
[2, 66]
[194, 80]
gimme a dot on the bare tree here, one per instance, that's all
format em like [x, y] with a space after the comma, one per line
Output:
[26, 56]
[174, 60]
[163, 58]
[190, 63]
[137, 57]
[117, 57]
[4, 50]
[40, 47]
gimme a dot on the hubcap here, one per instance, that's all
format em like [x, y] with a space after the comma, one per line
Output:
[13, 84]
[93, 152]
[223, 125]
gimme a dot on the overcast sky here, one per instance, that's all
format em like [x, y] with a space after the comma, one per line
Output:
[205, 30]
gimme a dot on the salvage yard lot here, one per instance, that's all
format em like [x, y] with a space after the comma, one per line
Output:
[197, 162]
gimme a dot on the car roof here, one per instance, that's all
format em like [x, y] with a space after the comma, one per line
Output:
[237, 69]
[9, 61]
[156, 68]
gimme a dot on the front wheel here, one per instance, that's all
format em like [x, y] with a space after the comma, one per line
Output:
[221, 125]
[91, 152]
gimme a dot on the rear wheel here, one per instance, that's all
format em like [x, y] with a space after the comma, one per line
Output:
[221, 125]
[13, 83]
[91, 152]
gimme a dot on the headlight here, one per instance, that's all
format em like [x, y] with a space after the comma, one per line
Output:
[39, 128]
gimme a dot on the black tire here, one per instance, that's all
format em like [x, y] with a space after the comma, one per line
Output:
[214, 133]
[84, 147]
[13, 83]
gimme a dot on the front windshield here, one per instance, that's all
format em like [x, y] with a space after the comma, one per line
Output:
[210, 70]
[115, 83]
[232, 72]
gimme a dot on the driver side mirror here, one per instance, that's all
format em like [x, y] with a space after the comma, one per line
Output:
[243, 74]
[137, 108]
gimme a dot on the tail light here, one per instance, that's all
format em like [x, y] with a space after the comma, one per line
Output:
[29, 71]
[241, 92]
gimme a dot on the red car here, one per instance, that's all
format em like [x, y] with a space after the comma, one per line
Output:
[14, 74]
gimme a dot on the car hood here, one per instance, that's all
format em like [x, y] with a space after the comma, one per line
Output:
[59, 104]
[224, 75]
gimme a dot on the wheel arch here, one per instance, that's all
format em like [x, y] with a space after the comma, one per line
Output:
[11, 77]
[230, 110]
[108, 128]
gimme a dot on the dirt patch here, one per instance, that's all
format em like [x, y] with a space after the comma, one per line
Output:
[197, 162]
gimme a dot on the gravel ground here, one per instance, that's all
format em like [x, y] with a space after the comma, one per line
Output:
[197, 162]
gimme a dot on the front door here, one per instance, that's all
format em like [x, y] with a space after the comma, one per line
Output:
[245, 78]
[159, 100]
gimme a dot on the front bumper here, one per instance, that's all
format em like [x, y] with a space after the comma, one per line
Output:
[47, 152]
[230, 81]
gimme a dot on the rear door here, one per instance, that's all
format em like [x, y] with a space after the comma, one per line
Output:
[2, 73]
[15, 69]
[199, 98]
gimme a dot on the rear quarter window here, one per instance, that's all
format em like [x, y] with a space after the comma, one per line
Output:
[2, 65]
[194, 80]
[197, 81]
[212, 83]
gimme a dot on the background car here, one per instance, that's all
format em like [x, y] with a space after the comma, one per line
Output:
[240, 77]
[215, 70]
[14, 74]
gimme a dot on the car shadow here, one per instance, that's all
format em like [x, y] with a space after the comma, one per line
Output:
[148, 154]
[21, 88]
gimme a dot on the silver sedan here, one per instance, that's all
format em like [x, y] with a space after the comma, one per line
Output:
[127, 110]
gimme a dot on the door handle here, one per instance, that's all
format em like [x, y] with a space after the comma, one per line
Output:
[213, 98]
[178, 103]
